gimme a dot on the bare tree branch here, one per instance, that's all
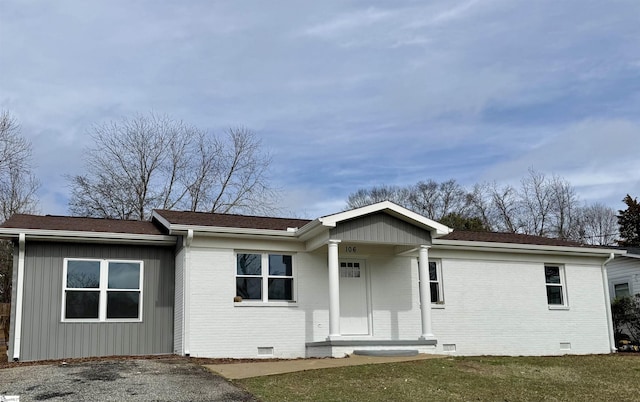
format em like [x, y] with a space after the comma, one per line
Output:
[152, 161]
[18, 187]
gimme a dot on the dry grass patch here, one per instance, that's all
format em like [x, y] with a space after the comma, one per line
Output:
[608, 377]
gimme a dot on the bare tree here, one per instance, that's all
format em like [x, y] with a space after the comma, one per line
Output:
[152, 161]
[499, 207]
[565, 209]
[364, 197]
[542, 205]
[599, 225]
[436, 200]
[535, 201]
[18, 187]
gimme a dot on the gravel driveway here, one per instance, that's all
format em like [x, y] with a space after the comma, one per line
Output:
[119, 380]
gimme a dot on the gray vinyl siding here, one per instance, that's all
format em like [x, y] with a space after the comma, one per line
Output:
[44, 336]
[624, 269]
[178, 346]
[381, 228]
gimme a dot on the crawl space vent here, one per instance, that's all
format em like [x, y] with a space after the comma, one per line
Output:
[265, 351]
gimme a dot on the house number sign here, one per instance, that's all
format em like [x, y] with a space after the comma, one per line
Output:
[351, 249]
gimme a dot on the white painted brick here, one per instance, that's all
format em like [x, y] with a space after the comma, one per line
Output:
[500, 308]
[491, 307]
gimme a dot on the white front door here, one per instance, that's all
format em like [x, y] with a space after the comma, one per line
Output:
[354, 307]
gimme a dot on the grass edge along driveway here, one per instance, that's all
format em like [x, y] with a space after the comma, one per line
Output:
[593, 377]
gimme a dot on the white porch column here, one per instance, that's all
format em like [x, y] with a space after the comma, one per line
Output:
[425, 292]
[334, 290]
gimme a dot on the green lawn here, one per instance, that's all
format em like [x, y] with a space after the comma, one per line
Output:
[575, 378]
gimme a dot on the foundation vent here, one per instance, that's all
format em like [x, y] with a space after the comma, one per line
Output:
[265, 351]
[449, 347]
[565, 346]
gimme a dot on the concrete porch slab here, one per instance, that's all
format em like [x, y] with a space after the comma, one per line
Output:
[236, 371]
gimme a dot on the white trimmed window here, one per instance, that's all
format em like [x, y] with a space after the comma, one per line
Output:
[264, 277]
[555, 283]
[621, 289]
[435, 282]
[102, 290]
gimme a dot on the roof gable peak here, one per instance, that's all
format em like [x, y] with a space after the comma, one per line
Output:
[392, 209]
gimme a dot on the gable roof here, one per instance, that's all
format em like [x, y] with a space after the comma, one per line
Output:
[167, 223]
[90, 229]
[70, 223]
[437, 229]
[202, 219]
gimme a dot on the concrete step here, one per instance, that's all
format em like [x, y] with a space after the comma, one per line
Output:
[386, 352]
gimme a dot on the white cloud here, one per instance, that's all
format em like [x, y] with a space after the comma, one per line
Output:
[348, 22]
[346, 94]
[598, 157]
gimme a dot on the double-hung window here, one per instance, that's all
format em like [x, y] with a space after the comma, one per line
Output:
[555, 283]
[264, 277]
[102, 290]
[435, 282]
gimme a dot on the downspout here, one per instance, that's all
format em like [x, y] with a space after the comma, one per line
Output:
[607, 303]
[17, 334]
[186, 291]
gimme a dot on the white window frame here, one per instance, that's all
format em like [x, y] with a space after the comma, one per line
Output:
[264, 275]
[102, 289]
[562, 285]
[438, 281]
[620, 281]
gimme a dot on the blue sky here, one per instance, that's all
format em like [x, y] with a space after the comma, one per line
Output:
[343, 94]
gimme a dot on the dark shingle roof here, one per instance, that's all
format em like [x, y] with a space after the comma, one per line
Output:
[68, 223]
[229, 220]
[494, 237]
[100, 225]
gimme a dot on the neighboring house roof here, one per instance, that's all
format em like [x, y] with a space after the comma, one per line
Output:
[632, 252]
[228, 220]
[496, 237]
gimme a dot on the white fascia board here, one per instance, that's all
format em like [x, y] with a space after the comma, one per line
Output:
[522, 248]
[161, 220]
[219, 230]
[311, 229]
[70, 235]
[397, 210]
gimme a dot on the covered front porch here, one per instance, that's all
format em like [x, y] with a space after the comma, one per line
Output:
[379, 296]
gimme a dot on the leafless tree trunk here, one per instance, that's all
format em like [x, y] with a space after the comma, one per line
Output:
[535, 203]
[479, 200]
[436, 200]
[18, 187]
[423, 199]
[505, 202]
[564, 209]
[599, 225]
[152, 161]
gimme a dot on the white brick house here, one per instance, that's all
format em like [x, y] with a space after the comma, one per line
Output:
[374, 278]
